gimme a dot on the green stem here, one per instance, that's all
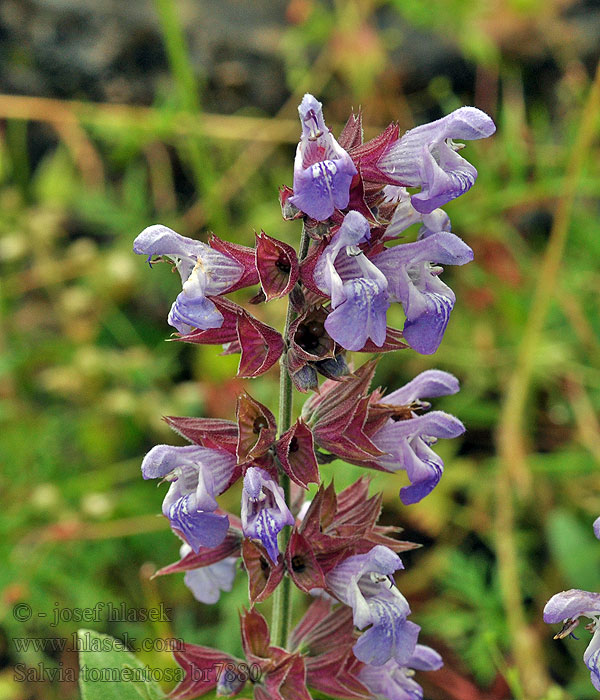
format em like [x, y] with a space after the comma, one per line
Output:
[282, 598]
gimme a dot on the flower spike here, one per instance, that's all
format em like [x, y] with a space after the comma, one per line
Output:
[356, 641]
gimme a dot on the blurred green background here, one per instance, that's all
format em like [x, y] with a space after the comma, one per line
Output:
[114, 116]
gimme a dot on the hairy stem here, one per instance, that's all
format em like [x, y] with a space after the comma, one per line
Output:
[282, 598]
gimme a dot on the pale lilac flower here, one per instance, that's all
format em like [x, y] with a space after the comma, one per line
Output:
[393, 681]
[406, 215]
[364, 582]
[407, 442]
[204, 272]
[413, 279]
[264, 512]
[597, 528]
[323, 170]
[358, 289]
[427, 157]
[197, 476]
[207, 582]
[426, 385]
[567, 607]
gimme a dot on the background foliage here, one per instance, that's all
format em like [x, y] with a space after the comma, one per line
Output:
[119, 116]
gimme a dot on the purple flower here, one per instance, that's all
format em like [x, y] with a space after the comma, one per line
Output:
[395, 682]
[407, 440]
[413, 279]
[264, 511]
[429, 384]
[567, 607]
[597, 528]
[365, 583]
[204, 272]
[207, 582]
[323, 170]
[197, 475]
[426, 157]
[358, 289]
[406, 215]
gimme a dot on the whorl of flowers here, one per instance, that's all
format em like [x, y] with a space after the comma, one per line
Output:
[356, 639]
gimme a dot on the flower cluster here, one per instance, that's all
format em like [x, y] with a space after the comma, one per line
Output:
[356, 639]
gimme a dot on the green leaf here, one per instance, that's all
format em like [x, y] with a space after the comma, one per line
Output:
[107, 670]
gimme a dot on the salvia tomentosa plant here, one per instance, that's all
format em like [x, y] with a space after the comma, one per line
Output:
[356, 639]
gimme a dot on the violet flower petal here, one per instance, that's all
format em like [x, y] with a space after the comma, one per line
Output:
[435, 424]
[445, 177]
[390, 681]
[394, 681]
[204, 272]
[428, 384]
[199, 528]
[389, 637]
[414, 281]
[207, 582]
[264, 512]
[163, 460]
[358, 289]
[161, 240]
[323, 170]
[189, 312]
[425, 659]
[424, 333]
[363, 582]
[361, 316]
[345, 577]
[197, 474]
[323, 187]
[425, 156]
[407, 446]
[405, 215]
[591, 658]
[353, 231]
[571, 604]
